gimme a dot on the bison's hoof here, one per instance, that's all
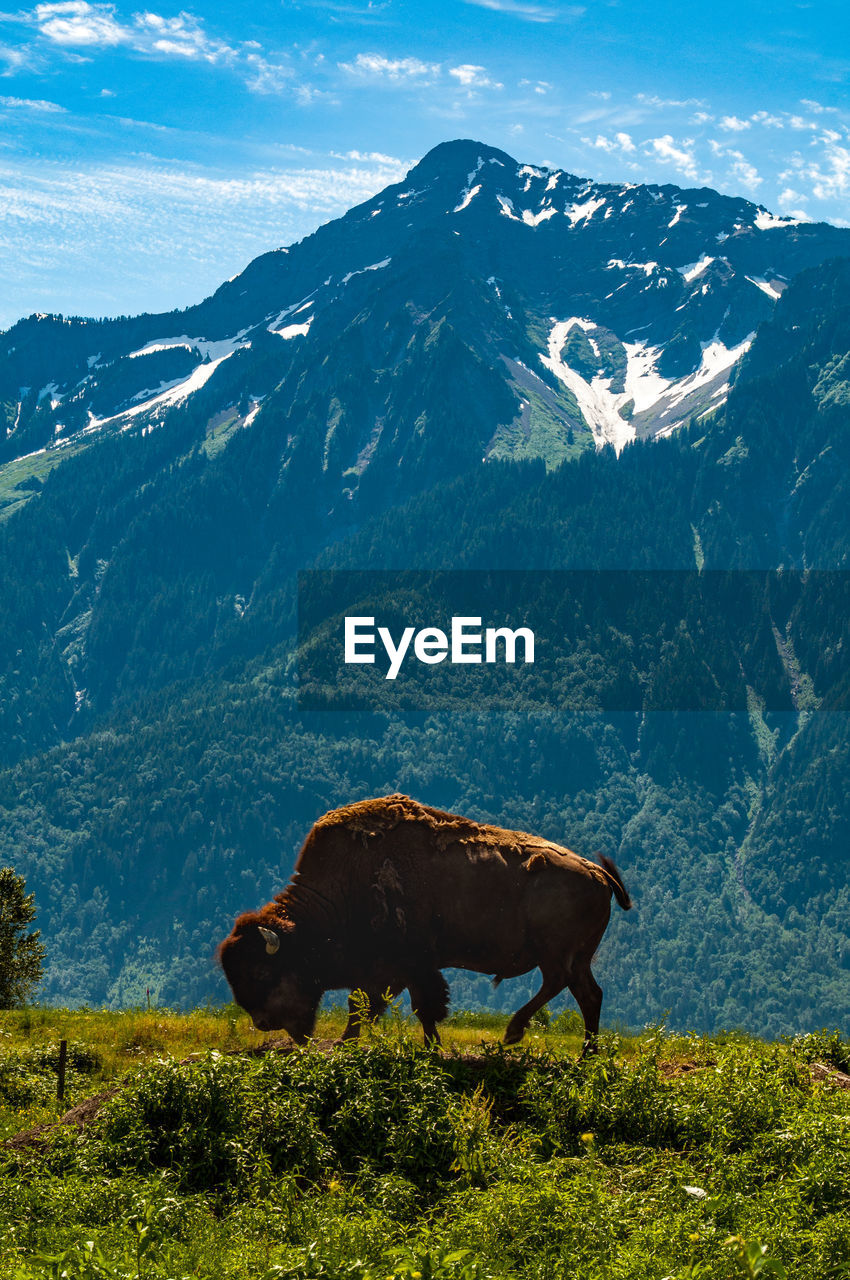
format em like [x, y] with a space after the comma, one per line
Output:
[513, 1037]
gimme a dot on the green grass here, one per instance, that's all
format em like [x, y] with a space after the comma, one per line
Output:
[547, 434]
[36, 466]
[663, 1157]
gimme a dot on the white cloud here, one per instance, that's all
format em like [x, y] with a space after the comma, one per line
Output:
[731, 124]
[15, 59]
[531, 12]
[652, 100]
[828, 177]
[30, 104]
[366, 157]
[540, 87]
[263, 76]
[621, 142]
[375, 66]
[473, 77]
[75, 26]
[79, 24]
[768, 120]
[817, 107]
[681, 157]
[743, 172]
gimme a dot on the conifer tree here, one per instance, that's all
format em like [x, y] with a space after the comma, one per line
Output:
[21, 953]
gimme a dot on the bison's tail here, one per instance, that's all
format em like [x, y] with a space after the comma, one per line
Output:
[618, 889]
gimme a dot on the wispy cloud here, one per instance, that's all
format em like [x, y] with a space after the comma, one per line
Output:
[76, 24]
[79, 29]
[827, 174]
[170, 234]
[789, 158]
[621, 143]
[81, 25]
[741, 173]
[532, 12]
[731, 124]
[29, 104]
[14, 59]
[680, 156]
[367, 157]
[376, 69]
[473, 77]
[540, 87]
[653, 100]
[375, 66]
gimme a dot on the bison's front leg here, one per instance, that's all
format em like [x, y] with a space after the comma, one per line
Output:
[429, 1000]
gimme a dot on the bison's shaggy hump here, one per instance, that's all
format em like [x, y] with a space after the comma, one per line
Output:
[371, 819]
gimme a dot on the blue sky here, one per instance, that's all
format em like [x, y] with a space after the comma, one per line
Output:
[148, 154]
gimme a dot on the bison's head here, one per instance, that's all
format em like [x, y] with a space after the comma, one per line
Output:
[269, 975]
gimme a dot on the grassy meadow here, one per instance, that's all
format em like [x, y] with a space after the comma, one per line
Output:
[665, 1157]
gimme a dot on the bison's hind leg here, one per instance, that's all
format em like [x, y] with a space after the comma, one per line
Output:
[588, 994]
[429, 999]
[583, 986]
[553, 985]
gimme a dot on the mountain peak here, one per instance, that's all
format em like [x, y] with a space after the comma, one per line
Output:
[595, 313]
[457, 157]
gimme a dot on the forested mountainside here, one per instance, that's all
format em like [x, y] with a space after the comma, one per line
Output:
[544, 373]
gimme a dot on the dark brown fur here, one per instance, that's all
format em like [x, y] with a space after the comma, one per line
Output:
[388, 892]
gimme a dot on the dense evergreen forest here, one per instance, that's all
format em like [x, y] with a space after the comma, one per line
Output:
[159, 773]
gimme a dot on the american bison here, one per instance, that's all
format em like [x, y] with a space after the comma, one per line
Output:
[388, 892]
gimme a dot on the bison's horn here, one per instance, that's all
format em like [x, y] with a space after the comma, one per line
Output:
[272, 939]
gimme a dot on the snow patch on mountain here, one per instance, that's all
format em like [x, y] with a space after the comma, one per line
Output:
[600, 408]
[584, 212]
[693, 269]
[764, 221]
[716, 358]
[173, 395]
[532, 219]
[668, 404]
[376, 266]
[215, 349]
[467, 197]
[644, 384]
[646, 267]
[773, 288]
[294, 330]
[252, 413]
